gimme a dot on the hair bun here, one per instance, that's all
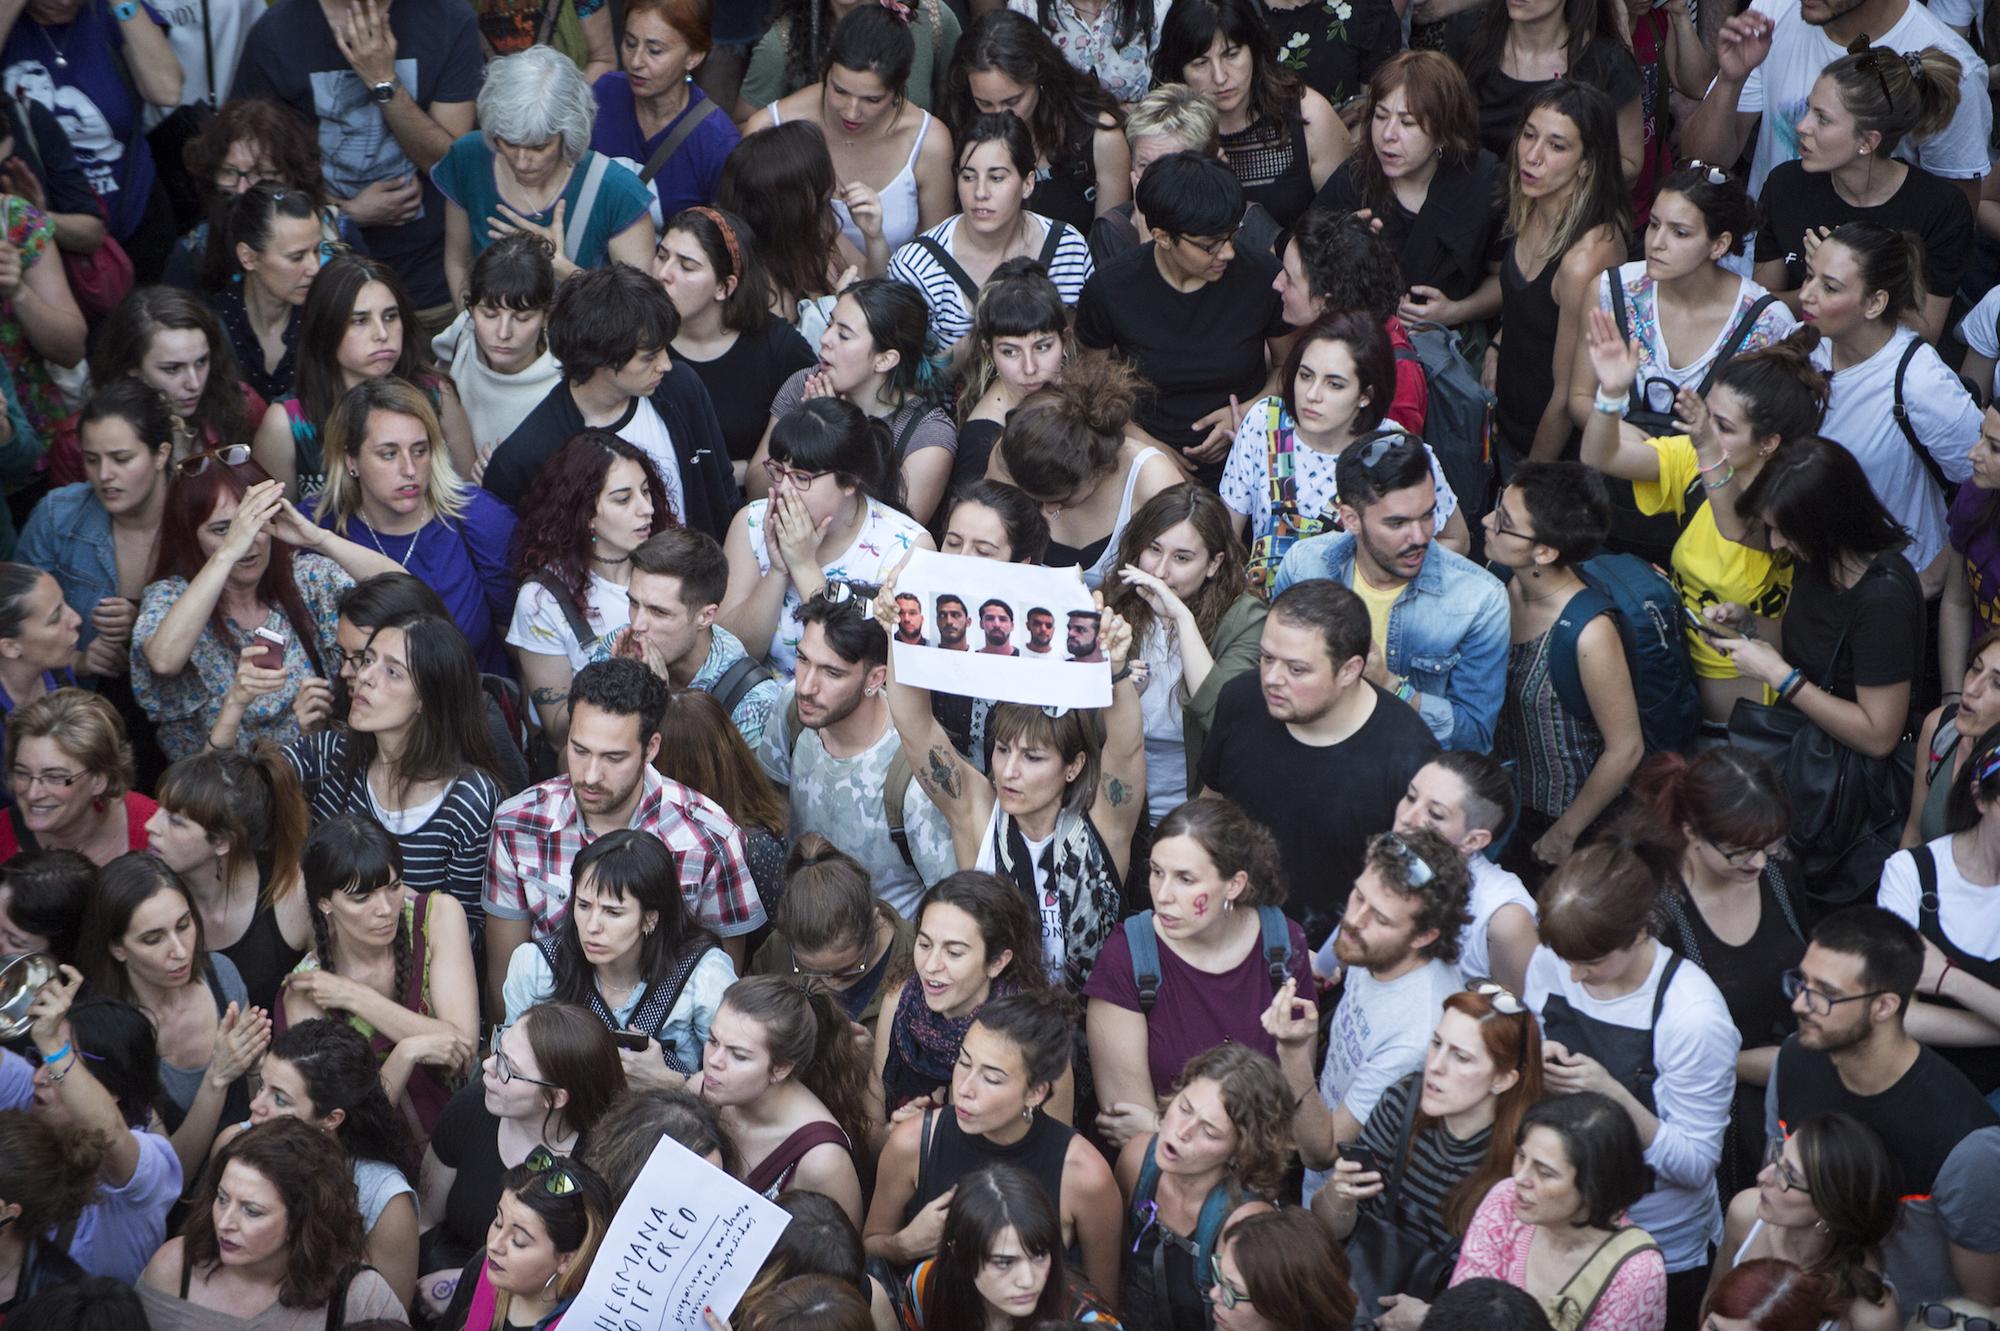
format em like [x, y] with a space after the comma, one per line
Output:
[900, 9]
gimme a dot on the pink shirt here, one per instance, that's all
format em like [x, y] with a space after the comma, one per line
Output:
[1496, 1245]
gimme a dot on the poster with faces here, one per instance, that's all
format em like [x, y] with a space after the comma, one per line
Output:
[1008, 632]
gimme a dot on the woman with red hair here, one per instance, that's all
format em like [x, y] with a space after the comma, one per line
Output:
[1765, 1295]
[241, 574]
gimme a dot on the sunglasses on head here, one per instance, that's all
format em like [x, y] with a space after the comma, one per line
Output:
[552, 1176]
[235, 455]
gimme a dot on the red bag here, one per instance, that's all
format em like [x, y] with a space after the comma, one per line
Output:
[99, 281]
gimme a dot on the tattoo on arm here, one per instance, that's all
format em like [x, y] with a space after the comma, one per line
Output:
[1117, 792]
[546, 696]
[944, 771]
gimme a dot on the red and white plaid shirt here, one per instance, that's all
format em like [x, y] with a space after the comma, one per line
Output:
[538, 834]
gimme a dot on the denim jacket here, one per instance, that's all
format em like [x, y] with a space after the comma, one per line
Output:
[69, 534]
[1448, 634]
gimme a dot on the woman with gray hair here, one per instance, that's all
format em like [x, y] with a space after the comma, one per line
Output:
[530, 168]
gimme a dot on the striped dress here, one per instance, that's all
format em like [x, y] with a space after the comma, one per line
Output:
[1552, 747]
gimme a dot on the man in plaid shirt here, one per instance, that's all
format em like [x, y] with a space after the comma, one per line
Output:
[614, 735]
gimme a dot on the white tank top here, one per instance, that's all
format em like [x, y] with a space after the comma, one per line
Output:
[900, 218]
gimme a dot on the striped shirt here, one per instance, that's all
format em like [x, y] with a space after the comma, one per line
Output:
[446, 854]
[1437, 1162]
[951, 307]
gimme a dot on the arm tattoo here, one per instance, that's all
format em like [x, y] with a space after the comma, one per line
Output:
[1117, 792]
[944, 771]
[545, 696]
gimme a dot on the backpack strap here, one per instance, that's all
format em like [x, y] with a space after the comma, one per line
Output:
[924, 1151]
[336, 1307]
[914, 414]
[1649, 1072]
[895, 787]
[1277, 944]
[1215, 1211]
[670, 144]
[1564, 673]
[1051, 244]
[1144, 945]
[1902, 414]
[1573, 1305]
[1734, 342]
[952, 268]
[1927, 885]
[737, 681]
[586, 200]
[1624, 319]
[578, 625]
[1943, 745]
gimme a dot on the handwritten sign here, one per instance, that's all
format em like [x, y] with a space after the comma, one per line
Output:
[687, 1236]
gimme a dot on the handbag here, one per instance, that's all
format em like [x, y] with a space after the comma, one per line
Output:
[1383, 1256]
[99, 280]
[1848, 809]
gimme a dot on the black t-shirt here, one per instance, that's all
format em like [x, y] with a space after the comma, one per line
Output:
[290, 56]
[1882, 617]
[1935, 209]
[1195, 348]
[1606, 65]
[466, 1138]
[1453, 242]
[742, 381]
[1322, 804]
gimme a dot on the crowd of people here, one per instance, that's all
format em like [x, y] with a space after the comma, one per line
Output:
[1531, 465]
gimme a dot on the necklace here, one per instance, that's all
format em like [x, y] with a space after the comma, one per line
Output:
[62, 61]
[409, 550]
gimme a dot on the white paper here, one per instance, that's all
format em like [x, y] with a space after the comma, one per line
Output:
[687, 1236]
[1023, 628]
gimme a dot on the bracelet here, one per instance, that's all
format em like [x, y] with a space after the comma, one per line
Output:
[1405, 691]
[1791, 683]
[1937, 990]
[1610, 406]
[1124, 671]
[1717, 465]
[125, 10]
[1727, 477]
[57, 1056]
[53, 1077]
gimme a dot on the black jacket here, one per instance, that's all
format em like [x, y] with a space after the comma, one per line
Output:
[708, 483]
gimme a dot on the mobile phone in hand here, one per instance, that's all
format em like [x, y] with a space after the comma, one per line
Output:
[1364, 1156]
[632, 1040]
[271, 649]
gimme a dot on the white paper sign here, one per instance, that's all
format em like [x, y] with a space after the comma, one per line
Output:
[1009, 632]
[687, 1236]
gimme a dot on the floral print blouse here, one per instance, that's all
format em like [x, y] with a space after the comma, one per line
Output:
[183, 707]
[34, 235]
[1125, 71]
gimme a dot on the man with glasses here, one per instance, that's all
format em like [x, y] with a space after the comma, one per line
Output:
[1853, 1055]
[612, 330]
[1196, 315]
[1437, 622]
[1399, 944]
[834, 752]
[1312, 750]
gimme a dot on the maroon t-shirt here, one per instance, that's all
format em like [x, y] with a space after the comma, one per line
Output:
[1196, 1010]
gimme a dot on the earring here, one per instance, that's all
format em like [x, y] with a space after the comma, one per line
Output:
[549, 1284]
[1027, 1113]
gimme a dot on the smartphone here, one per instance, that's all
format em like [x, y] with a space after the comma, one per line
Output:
[1363, 1156]
[1702, 624]
[632, 1040]
[271, 653]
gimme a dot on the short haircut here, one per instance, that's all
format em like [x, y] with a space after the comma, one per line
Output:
[622, 687]
[911, 597]
[1603, 1147]
[1440, 898]
[1402, 464]
[1568, 505]
[848, 625]
[952, 599]
[1034, 610]
[1176, 111]
[1486, 1304]
[85, 727]
[1332, 610]
[603, 317]
[1191, 194]
[388, 597]
[994, 600]
[693, 556]
[1091, 615]
[1891, 951]
[536, 95]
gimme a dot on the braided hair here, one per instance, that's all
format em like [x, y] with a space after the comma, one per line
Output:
[352, 854]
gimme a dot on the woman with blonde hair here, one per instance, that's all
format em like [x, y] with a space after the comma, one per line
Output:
[69, 766]
[391, 486]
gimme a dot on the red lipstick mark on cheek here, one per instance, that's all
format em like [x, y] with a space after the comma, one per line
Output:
[1201, 903]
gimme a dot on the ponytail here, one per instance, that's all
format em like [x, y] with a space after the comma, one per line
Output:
[806, 1030]
[1890, 261]
[1783, 392]
[1897, 93]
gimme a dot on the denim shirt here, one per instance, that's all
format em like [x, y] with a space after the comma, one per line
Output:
[69, 534]
[1448, 634]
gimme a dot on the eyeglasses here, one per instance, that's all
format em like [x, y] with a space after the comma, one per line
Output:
[1712, 173]
[1940, 1316]
[1378, 448]
[1415, 867]
[229, 177]
[1788, 1179]
[552, 1176]
[1741, 859]
[26, 780]
[1504, 525]
[1214, 247]
[855, 971]
[235, 455]
[793, 478]
[1819, 1002]
[1503, 1002]
[503, 1066]
[1228, 1293]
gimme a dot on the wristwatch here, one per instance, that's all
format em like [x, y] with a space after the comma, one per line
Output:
[382, 93]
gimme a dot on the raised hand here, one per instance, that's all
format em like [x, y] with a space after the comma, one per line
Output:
[1613, 359]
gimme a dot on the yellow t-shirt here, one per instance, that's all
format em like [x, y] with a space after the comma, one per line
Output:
[1378, 601]
[1708, 568]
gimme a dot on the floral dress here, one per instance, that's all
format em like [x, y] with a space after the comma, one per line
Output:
[32, 233]
[183, 706]
[885, 537]
[1091, 44]
[1335, 45]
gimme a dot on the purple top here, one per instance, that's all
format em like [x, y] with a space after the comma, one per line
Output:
[1196, 1011]
[1979, 543]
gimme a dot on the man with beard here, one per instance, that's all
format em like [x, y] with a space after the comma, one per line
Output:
[614, 735]
[1853, 1055]
[1312, 750]
[1041, 632]
[1770, 55]
[996, 621]
[1438, 622]
[952, 622]
[832, 747]
[1083, 643]
[910, 620]
[1399, 943]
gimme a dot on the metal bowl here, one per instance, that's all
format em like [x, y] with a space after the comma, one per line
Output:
[21, 976]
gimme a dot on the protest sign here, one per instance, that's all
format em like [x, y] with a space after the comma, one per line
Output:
[1008, 632]
[687, 1236]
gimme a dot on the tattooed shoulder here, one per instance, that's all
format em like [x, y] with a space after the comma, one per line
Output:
[550, 695]
[944, 773]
